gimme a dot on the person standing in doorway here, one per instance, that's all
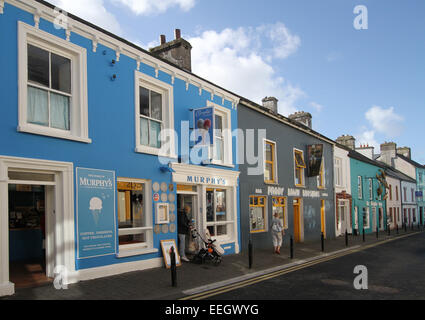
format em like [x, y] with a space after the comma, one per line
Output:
[183, 227]
[277, 233]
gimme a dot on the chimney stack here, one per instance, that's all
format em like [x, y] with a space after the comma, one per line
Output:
[270, 103]
[302, 117]
[162, 39]
[177, 51]
[388, 152]
[348, 141]
[405, 151]
[367, 151]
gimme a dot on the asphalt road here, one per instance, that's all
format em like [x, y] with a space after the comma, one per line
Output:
[396, 270]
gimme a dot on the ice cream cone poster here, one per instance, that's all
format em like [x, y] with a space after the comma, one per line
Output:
[96, 220]
[203, 122]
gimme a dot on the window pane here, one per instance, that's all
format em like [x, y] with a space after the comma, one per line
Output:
[38, 65]
[299, 159]
[155, 130]
[221, 230]
[218, 124]
[144, 132]
[257, 221]
[38, 109]
[137, 209]
[144, 102]
[156, 105]
[298, 176]
[132, 239]
[219, 149]
[61, 73]
[220, 209]
[269, 152]
[59, 111]
[210, 206]
[268, 172]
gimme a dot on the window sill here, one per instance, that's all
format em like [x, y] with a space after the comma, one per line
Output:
[135, 252]
[154, 152]
[52, 133]
[272, 183]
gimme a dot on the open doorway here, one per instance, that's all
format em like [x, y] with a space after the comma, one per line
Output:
[186, 206]
[27, 235]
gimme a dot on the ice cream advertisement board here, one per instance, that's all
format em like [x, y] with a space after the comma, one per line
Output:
[96, 220]
[204, 121]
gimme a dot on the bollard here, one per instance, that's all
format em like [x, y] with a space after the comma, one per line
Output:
[364, 239]
[173, 267]
[377, 232]
[396, 227]
[389, 230]
[291, 247]
[405, 227]
[322, 238]
[346, 238]
[250, 253]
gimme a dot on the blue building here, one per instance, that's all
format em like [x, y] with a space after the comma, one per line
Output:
[99, 148]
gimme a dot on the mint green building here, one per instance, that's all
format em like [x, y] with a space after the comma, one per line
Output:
[368, 193]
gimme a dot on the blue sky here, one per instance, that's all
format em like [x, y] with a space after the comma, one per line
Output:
[367, 83]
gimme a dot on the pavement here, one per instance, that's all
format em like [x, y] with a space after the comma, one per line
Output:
[192, 279]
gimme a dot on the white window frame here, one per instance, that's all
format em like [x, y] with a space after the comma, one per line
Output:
[167, 147]
[226, 135]
[338, 172]
[78, 101]
[147, 247]
[275, 171]
[360, 187]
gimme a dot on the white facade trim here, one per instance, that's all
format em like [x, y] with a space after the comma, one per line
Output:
[63, 229]
[120, 47]
[79, 98]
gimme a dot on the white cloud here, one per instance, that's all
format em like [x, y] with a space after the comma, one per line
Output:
[147, 7]
[316, 106]
[367, 137]
[241, 60]
[385, 121]
[93, 11]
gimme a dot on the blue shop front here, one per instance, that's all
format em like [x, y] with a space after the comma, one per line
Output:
[98, 151]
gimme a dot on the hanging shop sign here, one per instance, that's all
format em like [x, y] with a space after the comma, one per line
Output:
[315, 154]
[203, 120]
[96, 219]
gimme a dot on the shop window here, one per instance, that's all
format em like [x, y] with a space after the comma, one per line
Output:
[299, 168]
[257, 214]
[154, 116]
[270, 175]
[52, 86]
[134, 218]
[218, 217]
[279, 207]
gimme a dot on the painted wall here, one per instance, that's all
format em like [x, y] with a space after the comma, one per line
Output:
[111, 114]
[287, 138]
[362, 202]
[394, 202]
[420, 180]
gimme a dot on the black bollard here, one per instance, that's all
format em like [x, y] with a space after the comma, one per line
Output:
[364, 239]
[250, 253]
[405, 227]
[291, 247]
[389, 230]
[396, 227]
[346, 238]
[173, 267]
[322, 238]
[377, 232]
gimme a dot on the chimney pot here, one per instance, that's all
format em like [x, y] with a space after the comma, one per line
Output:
[162, 39]
[178, 34]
